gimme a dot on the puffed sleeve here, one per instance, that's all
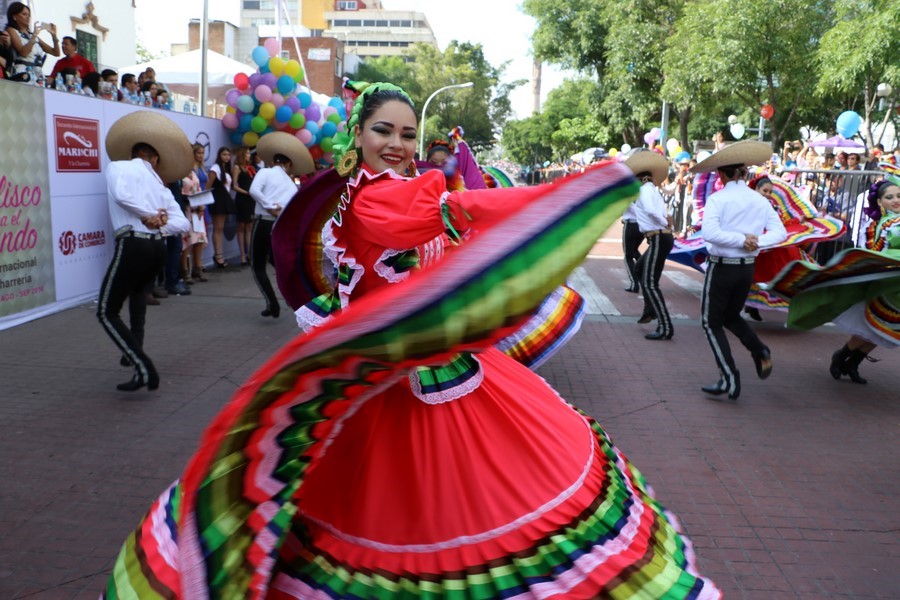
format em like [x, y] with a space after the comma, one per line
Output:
[406, 213]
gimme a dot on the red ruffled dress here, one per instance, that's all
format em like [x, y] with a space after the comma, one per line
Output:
[466, 478]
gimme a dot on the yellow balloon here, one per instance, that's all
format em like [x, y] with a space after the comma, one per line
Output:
[250, 138]
[292, 69]
[276, 66]
[613, 151]
[267, 110]
[230, 109]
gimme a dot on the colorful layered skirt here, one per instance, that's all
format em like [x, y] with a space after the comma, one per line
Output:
[394, 452]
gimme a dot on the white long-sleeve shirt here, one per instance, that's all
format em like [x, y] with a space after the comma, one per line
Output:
[272, 188]
[650, 209]
[732, 213]
[135, 191]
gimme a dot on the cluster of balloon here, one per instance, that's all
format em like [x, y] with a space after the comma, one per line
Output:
[652, 136]
[673, 147]
[271, 100]
[848, 123]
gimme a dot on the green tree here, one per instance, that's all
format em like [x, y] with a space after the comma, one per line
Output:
[860, 51]
[393, 69]
[747, 50]
[527, 141]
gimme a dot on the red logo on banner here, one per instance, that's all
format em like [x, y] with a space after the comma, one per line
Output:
[77, 145]
[67, 243]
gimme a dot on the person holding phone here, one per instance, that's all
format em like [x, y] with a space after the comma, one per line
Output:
[28, 49]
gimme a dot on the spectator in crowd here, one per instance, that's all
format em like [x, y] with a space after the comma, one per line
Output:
[874, 157]
[162, 100]
[28, 49]
[90, 84]
[195, 240]
[141, 78]
[72, 59]
[112, 78]
[5, 56]
[129, 88]
[840, 161]
[150, 74]
[220, 183]
[241, 178]
[148, 90]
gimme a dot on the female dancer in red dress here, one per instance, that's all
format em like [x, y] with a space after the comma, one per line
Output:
[393, 451]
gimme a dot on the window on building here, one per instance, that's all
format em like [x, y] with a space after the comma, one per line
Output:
[406, 23]
[87, 45]
[354, 23]
[315, 33]
[339, 23]
[381, 23]
[251, 4]
[368, 23]
[393, 23]
[346, 5]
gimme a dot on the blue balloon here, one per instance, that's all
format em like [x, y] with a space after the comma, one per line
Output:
[305, 99]
[260, 56]
[283, 114]
[268, 129]
[683, 155]
[848, 123]
[312, 127]
[245, 104]
[237, 138]
[335, 102]
[328, 129]
[285, 84]
[244, 123]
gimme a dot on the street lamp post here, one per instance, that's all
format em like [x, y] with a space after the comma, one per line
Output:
[468, 84]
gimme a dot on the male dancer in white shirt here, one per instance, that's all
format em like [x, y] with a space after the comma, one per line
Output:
[736, 223]
[655, 225]
[272, 189]
[142, 211]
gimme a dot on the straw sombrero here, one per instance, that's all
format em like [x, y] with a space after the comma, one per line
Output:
[176, 158]
[279, 142]
[744, 153]
[642, 160]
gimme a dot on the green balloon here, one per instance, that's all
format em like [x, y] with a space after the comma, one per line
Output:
[334, 118]
[258, 124]
[327, 144]
[297, 121]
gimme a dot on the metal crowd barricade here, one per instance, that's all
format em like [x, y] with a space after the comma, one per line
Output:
[840, 193]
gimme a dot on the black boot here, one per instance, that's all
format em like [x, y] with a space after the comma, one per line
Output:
[837, 362]
[753, 313]
[851, 367]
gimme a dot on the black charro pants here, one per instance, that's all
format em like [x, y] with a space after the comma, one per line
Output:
[134, 266]
[724, 293]
[631, 241]
[653, 261]
[260, 255]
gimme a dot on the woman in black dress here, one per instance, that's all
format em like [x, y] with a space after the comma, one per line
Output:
[220, 183]
[242, 176]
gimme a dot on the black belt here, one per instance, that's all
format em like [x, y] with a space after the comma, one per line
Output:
[655, 232]
[140, 235]
[732, 260]
[264, 217]
[629, 220]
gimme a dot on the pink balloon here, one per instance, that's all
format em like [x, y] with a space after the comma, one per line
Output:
[329, 111]
[305, 136]
[271, 46]
[263, 93]
[277, 100]
[230, 120]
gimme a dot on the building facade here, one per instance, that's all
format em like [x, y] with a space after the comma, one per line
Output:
[104, 29]
[368, 30]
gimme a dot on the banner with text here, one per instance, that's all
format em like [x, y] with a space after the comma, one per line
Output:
[26, 242]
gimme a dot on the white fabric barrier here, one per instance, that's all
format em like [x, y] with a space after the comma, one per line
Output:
[55, 236]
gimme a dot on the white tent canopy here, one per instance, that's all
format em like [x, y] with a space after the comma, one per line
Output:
[185, 69]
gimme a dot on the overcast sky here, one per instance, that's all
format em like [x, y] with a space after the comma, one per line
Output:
[498, 25]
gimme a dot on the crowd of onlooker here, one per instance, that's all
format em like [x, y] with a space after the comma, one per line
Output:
[24, 50]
